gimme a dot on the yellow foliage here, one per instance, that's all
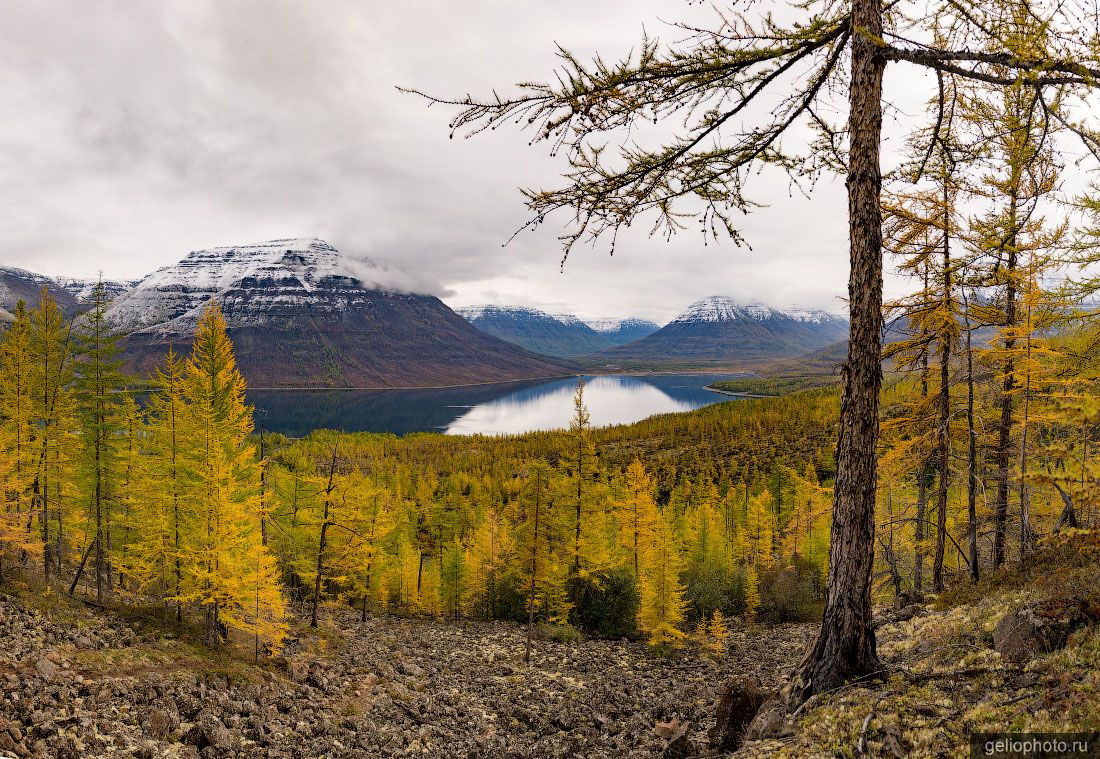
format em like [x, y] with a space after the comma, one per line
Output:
[662, 595]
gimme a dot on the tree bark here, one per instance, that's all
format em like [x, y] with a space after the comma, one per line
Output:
[971, 453]
[1004, 431]
[845, 647]
[534, 569]
[1025, 525]
[321, 543]
[922, 476]
[80, 569]
[918, 528]
[1068, 517]
[943, 436]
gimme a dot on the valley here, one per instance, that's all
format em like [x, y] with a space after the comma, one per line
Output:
[602, 380]
[561, 335]
[303, 315]
[555, 588]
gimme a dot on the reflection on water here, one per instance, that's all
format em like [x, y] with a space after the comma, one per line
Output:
[610, 400]
[486, 409]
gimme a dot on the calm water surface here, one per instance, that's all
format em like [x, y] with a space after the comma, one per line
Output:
[483, 409]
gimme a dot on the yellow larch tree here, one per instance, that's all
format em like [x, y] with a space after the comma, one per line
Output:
[403, 577]
[539, 532]
[18, 539]
[578, 465]
[54, 414]
[491, 549]
[637, 514]
[101, 402]
[752, 593]
[661, 611]
[153, 554]
[759, 532]
[223, 566]
[374, 523]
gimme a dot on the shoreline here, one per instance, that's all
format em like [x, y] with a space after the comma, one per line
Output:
[303, 389]
[736, 394]
[297, 389]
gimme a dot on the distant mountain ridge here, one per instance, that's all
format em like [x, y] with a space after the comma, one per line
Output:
[536, 330]
[70, 293]
[302, 316]
[623, 331]
[720, 330]
[298, 319]
[560, 335]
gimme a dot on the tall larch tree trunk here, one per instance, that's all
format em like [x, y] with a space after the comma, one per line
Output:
[971, 453]
[1004, 429]
[922, 477]
[845, 647]
[534, 567]
[943, 436]
[322, 540]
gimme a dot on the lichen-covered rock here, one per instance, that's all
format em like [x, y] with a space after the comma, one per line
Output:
[209, 732]
[772, 721]
[387, 687]
[158, 724]
[297, 670]
[45, 668]
[908, 598]
[1030, 630]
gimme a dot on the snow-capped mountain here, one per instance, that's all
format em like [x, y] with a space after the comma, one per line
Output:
[720, 308]
[623, 331]
[82, 288]
[299, 318]
[719, 330]
[22, 285]
[561, 335]
[71, 294]
[279, 271]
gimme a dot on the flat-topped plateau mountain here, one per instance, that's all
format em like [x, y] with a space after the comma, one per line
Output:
[300, 315]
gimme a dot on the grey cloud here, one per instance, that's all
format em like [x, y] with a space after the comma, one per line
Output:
[141, 131]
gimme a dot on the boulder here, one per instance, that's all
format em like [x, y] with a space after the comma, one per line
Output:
[45, 668]
[740, 701]
[297, 670]
[209, 732]
[772, 721]
[676, 732]
[668, 729]
[908, 598]
[1033, 629]
[7, 743]
[157, 724]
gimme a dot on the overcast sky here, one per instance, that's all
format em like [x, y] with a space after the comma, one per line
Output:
[135, 132]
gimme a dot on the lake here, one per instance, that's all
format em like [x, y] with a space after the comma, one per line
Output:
[507, 408]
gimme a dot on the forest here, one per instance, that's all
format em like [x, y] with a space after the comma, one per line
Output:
[173, 500]
[883, 548]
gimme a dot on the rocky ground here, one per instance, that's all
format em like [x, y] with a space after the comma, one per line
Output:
[1019, 651]
[75, 683]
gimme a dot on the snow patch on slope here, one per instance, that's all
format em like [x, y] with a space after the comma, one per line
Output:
[613, 324]
[306, 272]
[470, 313]
[722, 308]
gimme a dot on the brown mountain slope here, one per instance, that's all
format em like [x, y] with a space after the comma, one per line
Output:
[379, 339]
